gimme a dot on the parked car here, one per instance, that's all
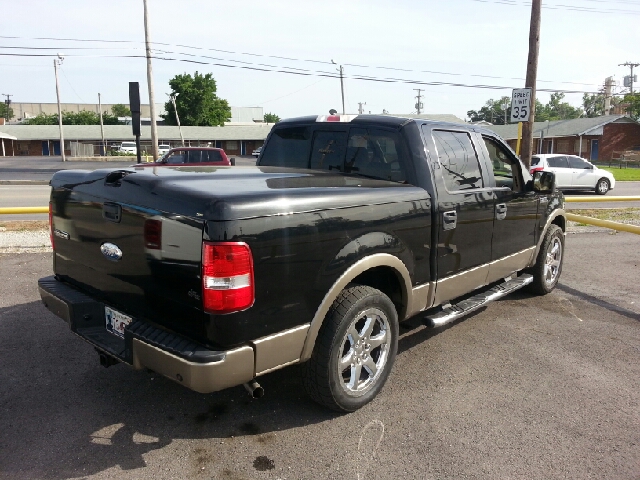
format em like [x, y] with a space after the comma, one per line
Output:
[163, 149]
[256, 152]
[128, 147]
[192, 156]
[573, 172]
[214, 277]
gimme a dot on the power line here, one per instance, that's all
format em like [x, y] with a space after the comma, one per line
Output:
[313, 73]
[271, 56]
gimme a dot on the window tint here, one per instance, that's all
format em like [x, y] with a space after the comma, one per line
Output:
[328, 150]
[558, 162]
[376, 153]
[211, 156]
[576, 162]
[460, 166]
[288, 147]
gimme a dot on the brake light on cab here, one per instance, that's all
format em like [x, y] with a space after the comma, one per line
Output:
[227, 277]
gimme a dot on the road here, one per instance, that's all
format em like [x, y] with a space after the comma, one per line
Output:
[529, 387]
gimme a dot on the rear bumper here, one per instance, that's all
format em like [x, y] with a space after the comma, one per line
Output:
[147, 346]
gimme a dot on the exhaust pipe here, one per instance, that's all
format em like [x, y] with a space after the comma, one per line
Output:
[254, 389]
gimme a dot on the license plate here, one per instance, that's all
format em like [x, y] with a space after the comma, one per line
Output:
[116, 321]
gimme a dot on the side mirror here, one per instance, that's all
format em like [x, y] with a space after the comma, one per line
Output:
[544, 182]
[232, 161]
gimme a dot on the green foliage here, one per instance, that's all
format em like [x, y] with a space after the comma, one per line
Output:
[629, 174]
[83, 117]
[271, 118]
[3, 111]
[593, 105]
[492, 111]
[196, 101]
[120, 110]
[633, 102]
[556, 109]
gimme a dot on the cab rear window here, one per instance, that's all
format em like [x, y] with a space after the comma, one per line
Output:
[287, 147]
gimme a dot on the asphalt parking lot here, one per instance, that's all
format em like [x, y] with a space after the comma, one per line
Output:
[530, 387]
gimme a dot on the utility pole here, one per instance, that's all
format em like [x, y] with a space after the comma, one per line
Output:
[608, 83]
[532, 75]
[360, 109]
[630, 64]
[504, 107]
[152, 105]
[175, 109]
[56, 62]
[341, 84]
[104, 145]
[419, 103]
[7, 102]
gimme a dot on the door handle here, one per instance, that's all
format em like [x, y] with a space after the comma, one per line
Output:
[449, 220]
[501, 211]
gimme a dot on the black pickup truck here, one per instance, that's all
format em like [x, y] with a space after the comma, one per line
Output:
[347, 225]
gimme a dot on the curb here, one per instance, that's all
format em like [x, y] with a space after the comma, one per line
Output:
[24, 182]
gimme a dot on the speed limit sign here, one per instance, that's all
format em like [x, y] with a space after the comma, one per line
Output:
[520, 104]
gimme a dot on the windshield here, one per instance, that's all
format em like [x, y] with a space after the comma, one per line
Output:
[128, 144]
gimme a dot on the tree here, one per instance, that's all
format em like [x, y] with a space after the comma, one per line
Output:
[593, 105]
[271, 118]
[556, 109]
[633, 102]
[83, 117]
[4, 109]
[493, 111]
[120, 110]
[196, 101]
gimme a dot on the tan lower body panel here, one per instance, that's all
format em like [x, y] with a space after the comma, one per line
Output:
[235, 369]
[465, 282]
[279, 350]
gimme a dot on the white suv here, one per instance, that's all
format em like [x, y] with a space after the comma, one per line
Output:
[573, 172]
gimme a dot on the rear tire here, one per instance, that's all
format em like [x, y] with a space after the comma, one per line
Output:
[603, 186]
[355, 350]
[548, 267]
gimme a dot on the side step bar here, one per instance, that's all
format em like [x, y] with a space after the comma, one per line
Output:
[460, 309]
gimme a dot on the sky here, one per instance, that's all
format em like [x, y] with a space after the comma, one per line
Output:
[277, 54]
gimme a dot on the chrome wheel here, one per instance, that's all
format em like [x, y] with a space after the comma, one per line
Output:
[603, 186]
[364, 352]
[553, 261]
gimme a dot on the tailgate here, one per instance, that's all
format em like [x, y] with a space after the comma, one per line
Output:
[133, 257]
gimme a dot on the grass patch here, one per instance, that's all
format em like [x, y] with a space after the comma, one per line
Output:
[624, 174]
[24, 225]
[623, 215]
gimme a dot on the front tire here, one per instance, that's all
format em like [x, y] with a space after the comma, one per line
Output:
[355, 350]
[546, 272]
[603, 186]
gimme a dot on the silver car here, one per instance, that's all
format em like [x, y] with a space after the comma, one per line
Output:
[573, 172]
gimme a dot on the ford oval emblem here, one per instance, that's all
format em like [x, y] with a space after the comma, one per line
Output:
[111, 252]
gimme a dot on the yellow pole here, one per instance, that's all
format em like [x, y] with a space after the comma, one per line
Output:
[623, 227]
[519, 138]
[22, 210]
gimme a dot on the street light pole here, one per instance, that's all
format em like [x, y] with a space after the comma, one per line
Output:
[175, 109]
[56, 62]
[104, 146]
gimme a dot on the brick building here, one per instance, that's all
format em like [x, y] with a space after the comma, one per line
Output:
[599, 138]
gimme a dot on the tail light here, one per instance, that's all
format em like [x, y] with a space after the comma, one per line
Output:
[51, 224]
[153, 234]
[227, 277]
[536, 169]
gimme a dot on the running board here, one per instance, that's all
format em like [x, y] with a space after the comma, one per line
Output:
[460, 309]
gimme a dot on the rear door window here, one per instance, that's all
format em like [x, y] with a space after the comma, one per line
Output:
[558, 162]
[535, 161]
[459, 160]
